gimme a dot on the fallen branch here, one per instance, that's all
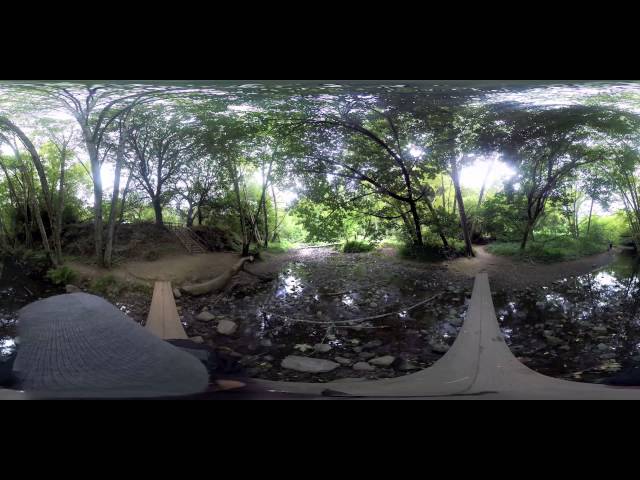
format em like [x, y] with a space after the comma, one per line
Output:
[218, 283]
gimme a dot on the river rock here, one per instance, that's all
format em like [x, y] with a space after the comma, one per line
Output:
[205, 316]
[197, 339]
[385, 361]
[72, 289]
[303, 347]
[366, 355]
[176, 293]
[342, 360]
[322, 347]
[602, 347]
[439, 347]
[406, 366]
[363, 367]
[265, 342]
[372, 344]
[227, 327]
[308, 365]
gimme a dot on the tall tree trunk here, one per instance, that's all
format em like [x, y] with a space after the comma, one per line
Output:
[266, 221]
[436, 219]
[466, 234]
[96, 175]
[60, 207]
[243, 228]
[275, 214]
[190, 216]
[416, 223]
[525, 237]
[481, 196]
[589, 221]
[113, 211]
[35, 208]
[157, 209]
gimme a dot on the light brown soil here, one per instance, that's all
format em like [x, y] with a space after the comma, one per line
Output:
[508, 273]
[504, 272]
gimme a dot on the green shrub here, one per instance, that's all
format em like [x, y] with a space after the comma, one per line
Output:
[356, 246]
[430, 252]
[551, 250]
[107, 285]
[62, 275]
[282, 246]
[151, 255]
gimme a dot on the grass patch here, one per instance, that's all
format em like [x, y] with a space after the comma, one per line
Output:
[356, 246]
[550, 250]
[430, 252]
[280, 247]
[62, 275]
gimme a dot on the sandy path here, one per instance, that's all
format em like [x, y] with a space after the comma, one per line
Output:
[506, 272]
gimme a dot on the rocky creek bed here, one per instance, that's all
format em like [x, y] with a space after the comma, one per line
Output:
[311, 323]
[582, 328]
[303, 321]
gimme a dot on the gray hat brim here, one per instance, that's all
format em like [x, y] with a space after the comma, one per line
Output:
[80, 346]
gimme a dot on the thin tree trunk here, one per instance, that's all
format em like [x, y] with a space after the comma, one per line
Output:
[525, 237]
[275, 214]
[236, 188]
[466, 234]
[436, 219]
[157, 209]
[35, 208]
[266, 221]
[60, 207]
[416, 223]
[113, 211]
[481, 195]
[96, 175]
[589, 222]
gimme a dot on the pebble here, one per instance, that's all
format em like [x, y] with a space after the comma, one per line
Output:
[197, 339]
[72, 289]
[439, 347]
[265, 342]
[363, 367]
[205, 316]
[308, 365]
[342, 360]
[322, 347]
[602, 347]
[385, 361]
[303, 347]
[406, 366]
[227, 327]
[176, 293]
[372, 344]
[366, 355]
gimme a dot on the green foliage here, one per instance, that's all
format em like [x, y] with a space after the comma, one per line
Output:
[282, 246]
[107, 285]
[151, 255]
[356, 246]
[431, 252]
[62, 275]
[550, 250]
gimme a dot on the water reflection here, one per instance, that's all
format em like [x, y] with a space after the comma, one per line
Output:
[582, 327]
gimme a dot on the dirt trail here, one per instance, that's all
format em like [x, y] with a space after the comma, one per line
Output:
[508, 273]
[177, 268]
[504, 272]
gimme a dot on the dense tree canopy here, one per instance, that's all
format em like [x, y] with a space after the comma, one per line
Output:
[317, 163]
